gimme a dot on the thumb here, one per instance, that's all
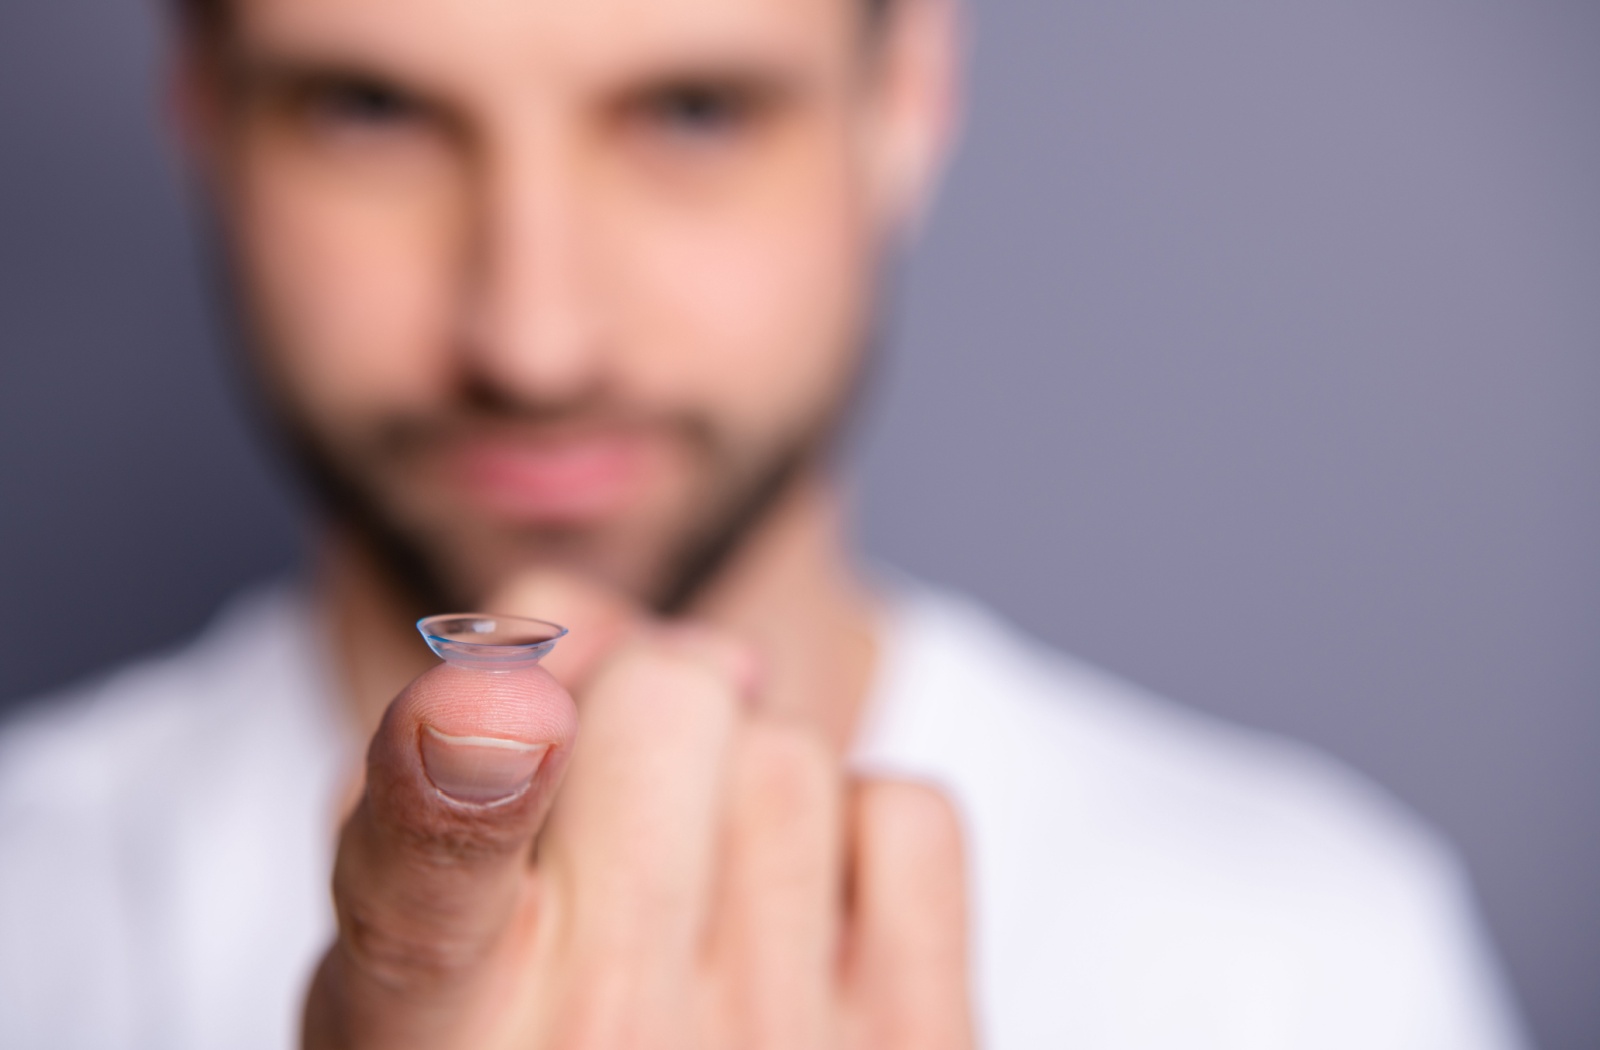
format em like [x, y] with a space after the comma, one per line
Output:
[434, 863]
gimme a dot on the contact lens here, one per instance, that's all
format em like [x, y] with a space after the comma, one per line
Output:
[489, 641]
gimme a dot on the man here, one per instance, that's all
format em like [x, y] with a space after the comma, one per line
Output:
[560, 307]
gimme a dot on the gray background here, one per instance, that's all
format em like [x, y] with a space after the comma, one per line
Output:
[1253, 355]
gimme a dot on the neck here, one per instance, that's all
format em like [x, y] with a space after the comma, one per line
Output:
[793, 593]
[790, 591]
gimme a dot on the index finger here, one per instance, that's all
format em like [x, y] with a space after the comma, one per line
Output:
[433, 866]
[600, 618]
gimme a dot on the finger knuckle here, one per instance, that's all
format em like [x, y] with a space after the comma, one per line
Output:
[788, 773]
[915, 820]
[398, 952]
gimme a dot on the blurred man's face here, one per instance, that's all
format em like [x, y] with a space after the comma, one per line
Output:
[536, 281]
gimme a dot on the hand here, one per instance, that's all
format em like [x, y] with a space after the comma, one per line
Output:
[701, 877]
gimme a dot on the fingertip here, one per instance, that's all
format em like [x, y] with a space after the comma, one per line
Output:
[909, 863]
[914, 823]
[909, 953]
[527, 705]
[473, 739]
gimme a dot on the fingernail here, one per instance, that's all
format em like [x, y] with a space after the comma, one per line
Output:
[480, 770]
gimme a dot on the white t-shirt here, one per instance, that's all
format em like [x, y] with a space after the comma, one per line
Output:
[1142, 876]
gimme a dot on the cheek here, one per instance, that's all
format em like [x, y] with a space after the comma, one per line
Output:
[349, 288]
[754, 313]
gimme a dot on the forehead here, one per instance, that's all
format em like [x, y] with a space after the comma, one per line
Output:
[546, 38]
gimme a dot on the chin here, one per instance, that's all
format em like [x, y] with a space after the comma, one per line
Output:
[489, 566]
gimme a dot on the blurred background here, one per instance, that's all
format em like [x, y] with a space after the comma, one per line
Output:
[1254, 355]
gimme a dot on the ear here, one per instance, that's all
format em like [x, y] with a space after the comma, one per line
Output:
[918, 87]
[195, 104]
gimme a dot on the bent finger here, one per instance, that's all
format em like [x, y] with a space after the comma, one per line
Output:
[632, 840]
[906, 968]
[776, 943]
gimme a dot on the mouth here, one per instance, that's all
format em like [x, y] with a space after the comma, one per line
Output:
[553, 479]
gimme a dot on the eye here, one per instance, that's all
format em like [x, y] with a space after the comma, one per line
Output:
[701, 110]
[359, 103]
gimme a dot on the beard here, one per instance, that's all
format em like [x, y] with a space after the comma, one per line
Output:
[680, 562]
[738, 493]
[738, 483]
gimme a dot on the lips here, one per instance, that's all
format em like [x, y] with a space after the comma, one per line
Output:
[568, 480]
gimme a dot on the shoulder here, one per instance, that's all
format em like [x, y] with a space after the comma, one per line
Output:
[1204, 862]
[1033, 719]
[146, 818]
[89, 744]
[107, 772]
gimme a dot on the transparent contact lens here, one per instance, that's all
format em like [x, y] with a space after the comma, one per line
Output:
[489, 641]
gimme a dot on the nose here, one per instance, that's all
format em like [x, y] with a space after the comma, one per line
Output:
[532, 329]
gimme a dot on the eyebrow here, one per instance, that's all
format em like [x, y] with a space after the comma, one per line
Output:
[761, 82]
[279, 74]
[276, 74]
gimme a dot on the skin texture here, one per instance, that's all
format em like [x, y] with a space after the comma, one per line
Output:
[704, 878]
[513, 232]
[560, 305]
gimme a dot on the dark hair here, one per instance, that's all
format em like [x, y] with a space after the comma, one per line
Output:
[203, 16]
[208, 15]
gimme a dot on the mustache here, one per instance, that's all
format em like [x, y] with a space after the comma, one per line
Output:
[404, 435]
